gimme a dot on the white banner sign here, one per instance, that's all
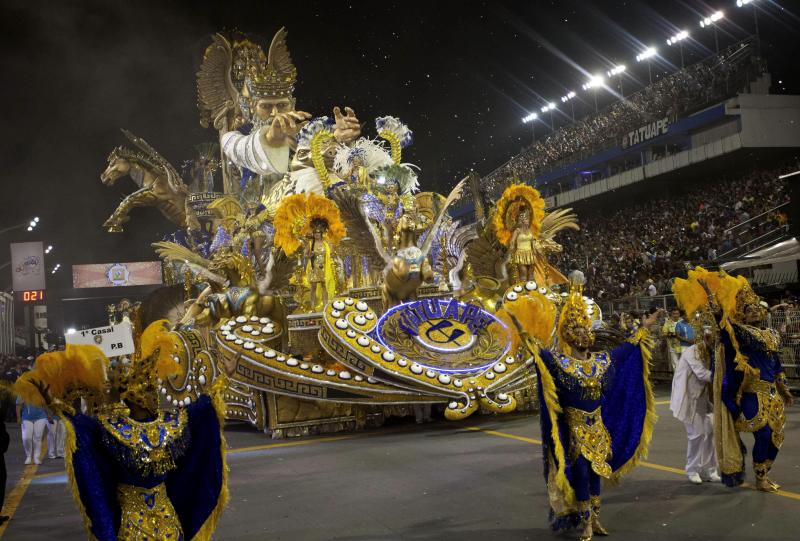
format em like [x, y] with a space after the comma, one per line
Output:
[114, 340]
[646, 132]
[27, 266]
[40, 316]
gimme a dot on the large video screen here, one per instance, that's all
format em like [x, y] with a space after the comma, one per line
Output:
[137, 273]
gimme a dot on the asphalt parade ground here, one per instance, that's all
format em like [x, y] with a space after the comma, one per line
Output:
[476, 480]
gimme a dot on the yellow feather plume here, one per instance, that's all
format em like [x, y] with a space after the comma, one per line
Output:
[77, 365]
[535, 314]
[728, 290]
[158, 340]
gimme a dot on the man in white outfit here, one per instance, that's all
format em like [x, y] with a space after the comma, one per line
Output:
[690, 403]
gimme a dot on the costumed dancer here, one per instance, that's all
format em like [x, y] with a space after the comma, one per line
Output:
[690, 400]
[136, 472]
[597, 410]
[522, 225]
[750, 385]
[316, 220]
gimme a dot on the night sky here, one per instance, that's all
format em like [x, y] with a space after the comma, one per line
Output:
[461, 74]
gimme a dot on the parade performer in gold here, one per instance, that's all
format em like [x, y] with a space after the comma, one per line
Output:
[597, 410]
[315, 220]
[518, 222]
[750, 386]
[520, 234]
[136, 472]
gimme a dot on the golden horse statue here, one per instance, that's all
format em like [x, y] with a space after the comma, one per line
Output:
[159, 184]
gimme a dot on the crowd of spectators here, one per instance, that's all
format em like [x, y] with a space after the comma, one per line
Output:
[677, 94]
[637, 250]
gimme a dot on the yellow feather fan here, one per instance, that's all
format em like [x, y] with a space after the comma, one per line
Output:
[515, 199]
[690, 294]
[77, 365]
[534, 313]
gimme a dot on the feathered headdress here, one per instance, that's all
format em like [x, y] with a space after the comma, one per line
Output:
[516, 199]
[403, 175]
[371, 154]
[734, 294]
[155, 361]
[295, 215]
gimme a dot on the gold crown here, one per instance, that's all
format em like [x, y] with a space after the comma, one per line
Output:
[277, 78]
[575, 312]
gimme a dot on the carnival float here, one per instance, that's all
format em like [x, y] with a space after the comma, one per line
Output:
[309, 266]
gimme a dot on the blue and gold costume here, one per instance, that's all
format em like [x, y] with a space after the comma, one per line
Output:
[155, 475]
[749, 382]
[160, 479]
[596, 418]
[597, 414]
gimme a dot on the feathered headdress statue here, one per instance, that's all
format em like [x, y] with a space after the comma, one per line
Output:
[397, 133]
[295, 216]
[516, 199]
[314, 136]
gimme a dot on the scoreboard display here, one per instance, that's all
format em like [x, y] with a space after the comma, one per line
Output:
[35, 295]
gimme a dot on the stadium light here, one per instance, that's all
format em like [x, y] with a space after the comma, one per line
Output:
[677, 38]
[48, 249]
[647, 53]
[593, 82]
[71, 330]
[742, 3]
[616, 70]
[569, 96]
[708, 21]
[530, 118]
[58, 266]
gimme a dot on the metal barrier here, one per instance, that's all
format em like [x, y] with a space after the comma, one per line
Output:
[787, 323]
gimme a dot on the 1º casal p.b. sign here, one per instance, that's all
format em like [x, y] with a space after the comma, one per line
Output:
[114, 340]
